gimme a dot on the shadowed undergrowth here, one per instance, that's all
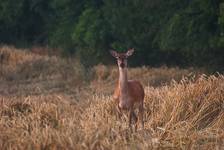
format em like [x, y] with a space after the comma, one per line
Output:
[51, 111]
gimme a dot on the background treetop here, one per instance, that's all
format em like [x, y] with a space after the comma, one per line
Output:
[174, 32]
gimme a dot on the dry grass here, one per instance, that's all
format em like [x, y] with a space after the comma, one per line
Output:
[103, 75]
[35, 74]
[49, 111]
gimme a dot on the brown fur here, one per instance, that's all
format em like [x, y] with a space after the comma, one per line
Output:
[128, 93]
[135, 90]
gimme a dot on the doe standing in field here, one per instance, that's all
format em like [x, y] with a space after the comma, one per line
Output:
[129, 93]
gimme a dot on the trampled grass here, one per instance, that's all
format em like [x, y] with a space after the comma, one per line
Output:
[46, 103]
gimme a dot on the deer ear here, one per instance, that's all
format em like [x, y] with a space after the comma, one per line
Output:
[114, 53]
[130, 52]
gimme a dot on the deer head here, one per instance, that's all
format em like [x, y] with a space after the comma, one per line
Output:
[122, 57]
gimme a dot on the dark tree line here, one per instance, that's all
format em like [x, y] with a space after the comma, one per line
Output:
[173, 32]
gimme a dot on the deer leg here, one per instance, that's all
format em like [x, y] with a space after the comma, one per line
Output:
[118, 111]
[141, 111]
[130, 118]
[135, 119]
[131, 115]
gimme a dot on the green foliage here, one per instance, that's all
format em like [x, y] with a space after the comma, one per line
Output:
[10, 13]
[221, 25]
[192, 31]
[61, 26]
[175, 32]
[91, 36]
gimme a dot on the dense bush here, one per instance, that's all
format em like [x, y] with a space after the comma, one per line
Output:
[171, 32]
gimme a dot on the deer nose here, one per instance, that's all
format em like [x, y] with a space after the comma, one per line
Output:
[122, 65]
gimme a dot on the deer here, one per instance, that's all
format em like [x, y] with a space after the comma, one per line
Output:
[128, 93]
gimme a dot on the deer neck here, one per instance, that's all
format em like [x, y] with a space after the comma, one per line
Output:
[123, 80]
